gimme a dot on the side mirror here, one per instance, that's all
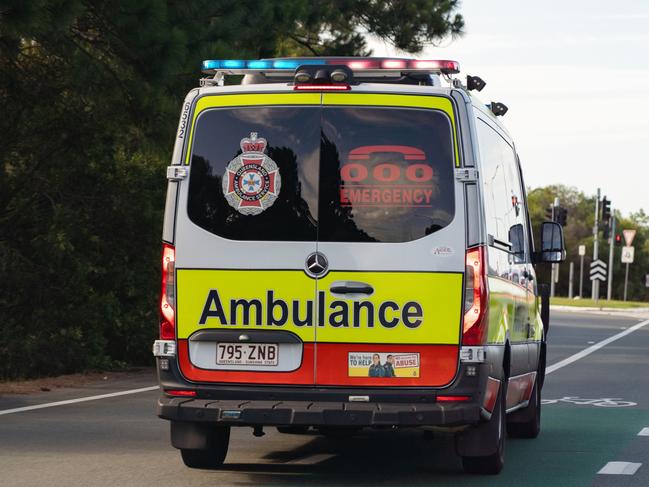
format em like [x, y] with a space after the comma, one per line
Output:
[553, 248]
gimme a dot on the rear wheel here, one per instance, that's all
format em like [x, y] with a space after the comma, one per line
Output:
[211, 457]
[526, 423]
[493, 430]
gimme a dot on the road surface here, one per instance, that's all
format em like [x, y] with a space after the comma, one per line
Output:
[117, 440]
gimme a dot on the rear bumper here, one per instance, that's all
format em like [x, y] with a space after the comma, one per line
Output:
[308, 413]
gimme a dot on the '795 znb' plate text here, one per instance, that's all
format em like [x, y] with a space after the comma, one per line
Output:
[247, 354]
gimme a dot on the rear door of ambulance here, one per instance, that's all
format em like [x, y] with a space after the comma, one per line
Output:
[320, 239]
[391, 227]
[246, 223]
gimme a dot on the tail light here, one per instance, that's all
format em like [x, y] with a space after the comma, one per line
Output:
[476, 298]
[180, 393]
[168, 294]
[453, 398]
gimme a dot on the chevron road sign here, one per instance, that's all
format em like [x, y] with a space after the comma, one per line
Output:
[598, 270]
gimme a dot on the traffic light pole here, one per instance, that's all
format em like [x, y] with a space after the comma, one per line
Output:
[611, 252]
[595, 286]
[553, 267]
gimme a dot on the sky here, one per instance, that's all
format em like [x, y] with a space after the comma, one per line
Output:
[575, 76]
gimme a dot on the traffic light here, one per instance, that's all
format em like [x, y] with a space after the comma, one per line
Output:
[606, 211]
[618, 240]
[549, 214]
[607, 231]
[561, 216]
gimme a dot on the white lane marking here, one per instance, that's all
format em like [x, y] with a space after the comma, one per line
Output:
[312, 459]
[644, 432]
[74, 401]
[593, 348]
[620, 468]
[606, 402]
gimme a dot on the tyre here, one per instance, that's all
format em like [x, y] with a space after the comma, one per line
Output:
[293, 430]
[211, 457]
[526, 423]
[493, 430]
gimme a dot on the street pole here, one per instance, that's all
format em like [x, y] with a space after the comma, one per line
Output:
[572, 273]
[554, 267]
[595, 287]
[581, 276]
[611, 251]
[626, 279]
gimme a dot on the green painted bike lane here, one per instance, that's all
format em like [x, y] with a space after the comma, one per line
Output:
[574, 444]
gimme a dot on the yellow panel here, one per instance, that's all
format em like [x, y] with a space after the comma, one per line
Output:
[409, 101]
[249, 99]
[438, 294]
[406, 307]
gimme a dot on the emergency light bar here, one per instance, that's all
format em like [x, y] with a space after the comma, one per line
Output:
[356, 64]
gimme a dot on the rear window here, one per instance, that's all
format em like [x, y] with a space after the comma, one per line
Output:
[338, 174]
[386, 174]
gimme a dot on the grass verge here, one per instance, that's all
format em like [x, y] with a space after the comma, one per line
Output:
[590, 303]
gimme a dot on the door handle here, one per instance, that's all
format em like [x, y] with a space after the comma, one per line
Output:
[351, 287]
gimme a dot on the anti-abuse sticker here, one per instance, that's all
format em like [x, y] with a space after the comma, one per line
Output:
[383, 364]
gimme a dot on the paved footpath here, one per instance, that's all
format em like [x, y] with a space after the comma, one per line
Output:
[597, 404]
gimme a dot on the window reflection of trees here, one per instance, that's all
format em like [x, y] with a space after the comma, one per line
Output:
[289, 218]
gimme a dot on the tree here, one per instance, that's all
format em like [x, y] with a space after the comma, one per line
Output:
[90, 92]
[579, 231]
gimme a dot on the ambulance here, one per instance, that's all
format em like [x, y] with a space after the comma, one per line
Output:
[347, 245]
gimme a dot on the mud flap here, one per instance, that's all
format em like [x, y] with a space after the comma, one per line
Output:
[195, 436]
[483, 439]
[544, 293]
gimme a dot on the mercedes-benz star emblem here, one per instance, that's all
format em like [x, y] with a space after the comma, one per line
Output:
[316, 264]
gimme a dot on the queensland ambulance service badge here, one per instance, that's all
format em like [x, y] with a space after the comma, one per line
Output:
[251, 182]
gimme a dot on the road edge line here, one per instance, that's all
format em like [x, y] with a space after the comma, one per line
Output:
[77, 400]
[593, 348]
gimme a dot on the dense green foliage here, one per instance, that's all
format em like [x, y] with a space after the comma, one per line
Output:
[90, 93]
[579, 230]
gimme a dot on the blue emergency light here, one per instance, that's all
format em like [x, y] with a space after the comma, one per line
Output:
[356, 64]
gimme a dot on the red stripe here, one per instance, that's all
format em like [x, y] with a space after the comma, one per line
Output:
[301, 376]
[438, 364]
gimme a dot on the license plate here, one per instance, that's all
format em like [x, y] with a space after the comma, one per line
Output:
[264, 354]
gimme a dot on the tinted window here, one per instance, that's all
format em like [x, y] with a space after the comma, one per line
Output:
[386, 174]
[503, 193]
[266, 198]
[345, 174]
